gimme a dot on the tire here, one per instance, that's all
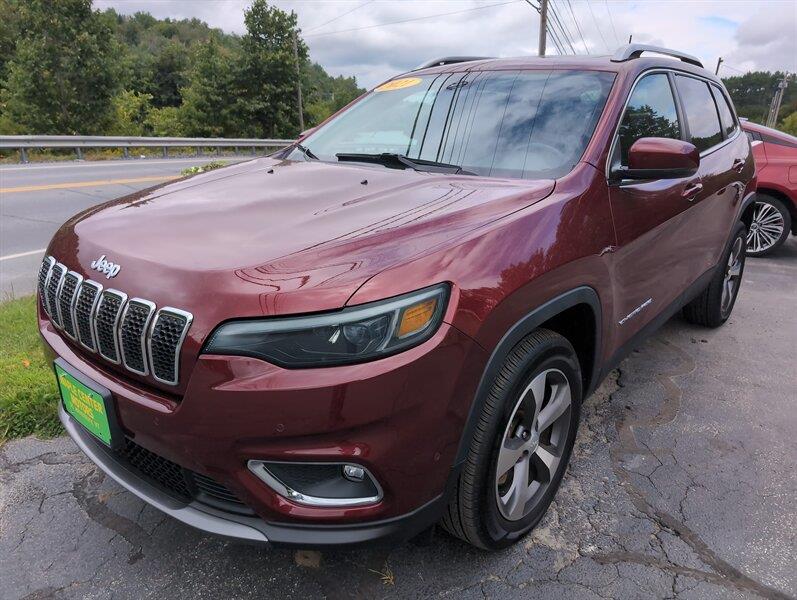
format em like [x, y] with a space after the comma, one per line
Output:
[714, 304]
[770, 226]
[537, 368]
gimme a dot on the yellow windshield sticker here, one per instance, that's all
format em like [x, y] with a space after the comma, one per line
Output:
[398, 84]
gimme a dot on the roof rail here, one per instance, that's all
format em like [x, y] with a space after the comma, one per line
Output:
[449, 60]
[631, 51]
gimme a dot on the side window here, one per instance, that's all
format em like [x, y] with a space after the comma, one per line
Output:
[726, 115]
[701, 112]
[650, 113]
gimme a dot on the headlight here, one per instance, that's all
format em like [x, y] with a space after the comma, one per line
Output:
[351, 335]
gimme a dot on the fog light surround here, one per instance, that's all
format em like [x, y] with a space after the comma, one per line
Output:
[327, 484]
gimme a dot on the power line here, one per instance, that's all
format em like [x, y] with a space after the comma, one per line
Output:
[603, 39]
[565, 33]
[348, 12]
[445, 14]
[611, 20]
[578, 27]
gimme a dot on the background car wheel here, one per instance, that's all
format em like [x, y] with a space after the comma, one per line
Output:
[770, 226]
[522, 444]
[714, 304]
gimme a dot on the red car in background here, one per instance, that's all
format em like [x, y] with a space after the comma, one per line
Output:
[775, 214]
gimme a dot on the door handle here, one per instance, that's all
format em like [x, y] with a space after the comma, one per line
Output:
[691, 191]
[738, 165]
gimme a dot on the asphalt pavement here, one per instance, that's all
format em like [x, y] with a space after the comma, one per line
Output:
[36, 199]
[682, 485]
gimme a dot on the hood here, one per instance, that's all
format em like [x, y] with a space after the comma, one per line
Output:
[272, 236]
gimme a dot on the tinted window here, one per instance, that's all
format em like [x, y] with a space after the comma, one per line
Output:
[650, 113]
[726, 115]
[701, 113]
[530, 124]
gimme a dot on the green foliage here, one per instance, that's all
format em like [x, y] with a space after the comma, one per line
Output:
[215, 164]
[789, 124]
[65, 69]
[752, 94]
[28, 396]
[130, 114]
[63, 74]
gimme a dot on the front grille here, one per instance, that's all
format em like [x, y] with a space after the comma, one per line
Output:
[167, 336]
[184, 484]
[109, 310]
[44, 273]
[85, 305]
[66, 300]
[132, 334]
[144, 340]
[53, 285]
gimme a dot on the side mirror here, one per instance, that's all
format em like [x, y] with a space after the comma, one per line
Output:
[659, 158]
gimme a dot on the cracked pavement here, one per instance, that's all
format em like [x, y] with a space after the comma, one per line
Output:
[682, 485]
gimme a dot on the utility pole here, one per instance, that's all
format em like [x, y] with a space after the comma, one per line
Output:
[630, 37]
[717, 70]
[774, 107]
[543, 26]
[298, 82]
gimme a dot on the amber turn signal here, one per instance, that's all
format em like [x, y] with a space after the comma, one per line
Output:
[416, 317]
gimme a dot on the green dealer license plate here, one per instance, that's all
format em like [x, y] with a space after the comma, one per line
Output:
[87, 406]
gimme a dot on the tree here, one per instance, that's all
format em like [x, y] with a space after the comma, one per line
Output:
[267, 72]
[62, 75]
[789, 124]
[130, 114]
[209, 108]
[752, 94]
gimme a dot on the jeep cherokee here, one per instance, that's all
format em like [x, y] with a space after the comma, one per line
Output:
[393, 322]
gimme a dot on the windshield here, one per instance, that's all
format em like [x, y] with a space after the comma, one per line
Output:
[524, 124]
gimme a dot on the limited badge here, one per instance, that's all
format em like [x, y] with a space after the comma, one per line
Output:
[398, 84]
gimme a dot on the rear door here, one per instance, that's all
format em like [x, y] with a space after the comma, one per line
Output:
[651, 266]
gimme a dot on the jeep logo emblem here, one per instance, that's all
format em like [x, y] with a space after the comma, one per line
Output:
[105, 266]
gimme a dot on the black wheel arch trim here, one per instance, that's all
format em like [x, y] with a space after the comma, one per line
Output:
[523, 327]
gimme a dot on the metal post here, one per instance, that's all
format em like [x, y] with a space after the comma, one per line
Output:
[165, 152]
[218, 150]
[235, 150]
[198, 151]
[299, 80]
[79, 153]
[253, 150]
[543, 26]
[126, 152]
[23, 155]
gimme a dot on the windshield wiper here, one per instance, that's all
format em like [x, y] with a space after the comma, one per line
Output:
[306, 151]
[391, 159]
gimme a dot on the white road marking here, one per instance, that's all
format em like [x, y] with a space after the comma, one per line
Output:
[22, 254]
[126, 163]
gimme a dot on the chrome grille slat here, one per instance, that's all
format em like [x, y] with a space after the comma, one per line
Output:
[83, 315]
[132, 334]
[66, 300]
[106, 324]
[44, 276]
[165, 342]
[53, 287]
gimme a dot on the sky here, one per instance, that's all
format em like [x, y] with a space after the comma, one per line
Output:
[377, 39]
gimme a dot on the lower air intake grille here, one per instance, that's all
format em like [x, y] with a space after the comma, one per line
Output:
[108, 312]
[214, 489]
[163, 471]
[165, 343]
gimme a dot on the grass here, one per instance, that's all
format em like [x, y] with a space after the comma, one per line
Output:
[204, 168]
[28, 394]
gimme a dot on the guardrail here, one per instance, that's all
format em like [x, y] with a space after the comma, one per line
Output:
[24, 143]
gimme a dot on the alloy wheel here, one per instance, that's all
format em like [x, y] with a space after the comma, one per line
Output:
[533, 444]
[733, 274]
[766, 228]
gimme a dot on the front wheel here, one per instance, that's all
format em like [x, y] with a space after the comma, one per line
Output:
[522, 444]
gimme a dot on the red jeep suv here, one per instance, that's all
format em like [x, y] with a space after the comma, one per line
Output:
[393, 322]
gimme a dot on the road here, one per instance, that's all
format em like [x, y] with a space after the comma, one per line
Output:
[36, 199]
[683, 485]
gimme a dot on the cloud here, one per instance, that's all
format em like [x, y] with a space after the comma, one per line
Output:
[748, 35]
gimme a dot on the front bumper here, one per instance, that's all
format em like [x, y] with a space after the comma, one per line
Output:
[400, 417]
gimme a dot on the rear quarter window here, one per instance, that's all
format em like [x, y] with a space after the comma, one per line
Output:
[701, 112]
[727, 120]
